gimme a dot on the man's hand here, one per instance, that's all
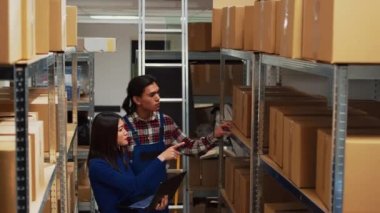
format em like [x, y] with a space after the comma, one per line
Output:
[163, 204]
[223, 129]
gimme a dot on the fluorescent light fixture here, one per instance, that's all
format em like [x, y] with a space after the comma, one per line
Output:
[115, 17]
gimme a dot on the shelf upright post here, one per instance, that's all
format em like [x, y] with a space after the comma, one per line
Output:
[62, 117]
[74, 80]
[261, 76]
[340, 93]
[51, 66]
[221, 141]
[21, 98]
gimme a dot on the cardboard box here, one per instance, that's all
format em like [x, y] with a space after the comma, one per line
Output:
[369, 106]
[199, 37]
[57, 25]
[290, 34]
[225, 27]
[264, 28]
[8, 172]
[361, 185]
[72, 25]
[210, 177]
[279, 25]
[248, 27]
[300, 138]
[269, 27]
[231, 164]
[287, 98]
[41, 106]
[241, 190]
[273, 192]
[194, 171]
[96, 44]
[205, 78]
[42, 26]
[28, 29]
[236, 28]
[291, 207]
[230, 3]
[10, 33]
[276, 125]
[216, 28]
[327, 36]
[242, 109]
[35, 139]
[84, 193]
[299, 148]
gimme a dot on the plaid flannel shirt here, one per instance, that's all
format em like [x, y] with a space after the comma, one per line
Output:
[148, 132]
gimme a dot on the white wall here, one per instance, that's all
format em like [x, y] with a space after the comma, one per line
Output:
[112, 70]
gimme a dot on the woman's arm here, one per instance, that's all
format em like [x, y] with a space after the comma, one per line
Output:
[102, 172]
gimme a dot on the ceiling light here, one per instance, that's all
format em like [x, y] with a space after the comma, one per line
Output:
[115, 17]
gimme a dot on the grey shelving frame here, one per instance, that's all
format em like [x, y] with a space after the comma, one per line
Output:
[22, 74]
[338, 76]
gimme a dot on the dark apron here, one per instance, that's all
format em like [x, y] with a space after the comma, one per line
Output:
[144, 154]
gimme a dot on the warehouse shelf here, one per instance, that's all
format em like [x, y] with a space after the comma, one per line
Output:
[239, 137]
[176, 55]
[83, 104]
[248, 58]
[83, 152]
[339, 76]
[202, 191]
[307, 196]
[355, 71]
[21, 73]
[227, 200]
[50, 174]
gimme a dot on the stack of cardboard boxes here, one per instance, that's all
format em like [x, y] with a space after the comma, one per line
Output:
[31, 27]
[297, 28]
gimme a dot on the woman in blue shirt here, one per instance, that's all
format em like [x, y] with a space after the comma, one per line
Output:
[112, 180]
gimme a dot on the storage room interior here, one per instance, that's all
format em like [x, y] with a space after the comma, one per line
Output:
[297, 80]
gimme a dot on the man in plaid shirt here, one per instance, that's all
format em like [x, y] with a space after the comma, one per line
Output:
[150, 132]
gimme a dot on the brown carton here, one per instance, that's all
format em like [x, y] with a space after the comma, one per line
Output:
[236, 28]
[42, 26]
[248, 27]
[241, 190]
[361, 186]
[231, 164]
[199, 36]
[210, 176]
[57, 25]
[28, 29]
[10, 33]
[216, 28]
[269, 28]
[290, 33]
[291, 207]
[327, 36]
[241, 109]
[72, 25]
[300, 136]
[276, 125]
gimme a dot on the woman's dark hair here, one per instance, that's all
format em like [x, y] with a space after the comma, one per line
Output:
[104, 138]
[136, 88]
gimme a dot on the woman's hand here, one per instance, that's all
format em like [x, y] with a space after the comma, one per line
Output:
[163, 204]
[223, 129]
[170, 153]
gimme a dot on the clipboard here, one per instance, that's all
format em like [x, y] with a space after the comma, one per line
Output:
[168, 187]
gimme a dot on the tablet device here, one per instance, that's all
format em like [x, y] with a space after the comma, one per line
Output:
[168, 187]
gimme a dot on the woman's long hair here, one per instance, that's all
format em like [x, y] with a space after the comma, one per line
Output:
[136, 87]
[104, 138]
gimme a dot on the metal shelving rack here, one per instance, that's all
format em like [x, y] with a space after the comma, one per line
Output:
[23, 73]
[338, 76]
[248, 59]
